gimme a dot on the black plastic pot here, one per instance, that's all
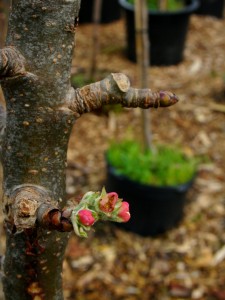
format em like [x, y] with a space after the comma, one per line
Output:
[153, 209]
[211, 7]
[110, 12]
[167, 33]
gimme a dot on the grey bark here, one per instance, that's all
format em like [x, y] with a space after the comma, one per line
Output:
[4, 10]
[35, 84]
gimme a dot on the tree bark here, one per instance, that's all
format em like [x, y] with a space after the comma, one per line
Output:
[36, 82]
[4, 10]
[41, 109]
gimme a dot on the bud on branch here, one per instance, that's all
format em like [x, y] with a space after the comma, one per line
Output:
[98, 206]
[93, 207]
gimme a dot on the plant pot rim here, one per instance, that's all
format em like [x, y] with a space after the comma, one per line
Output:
[189, 8]
[179, 187]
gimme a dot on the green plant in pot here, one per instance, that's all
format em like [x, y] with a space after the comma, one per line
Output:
[153, 179]
[169, 5]
[168, 29]
[155, 182]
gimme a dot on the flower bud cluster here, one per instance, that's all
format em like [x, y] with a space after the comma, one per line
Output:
[95, 206]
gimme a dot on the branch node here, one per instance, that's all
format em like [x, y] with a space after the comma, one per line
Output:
[23, 202]
[12, 63]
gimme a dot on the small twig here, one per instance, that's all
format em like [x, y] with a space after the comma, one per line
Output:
[93, 206]
[115, 89]
[142, 50]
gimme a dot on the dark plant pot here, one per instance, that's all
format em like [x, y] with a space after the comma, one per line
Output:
[153, 209]
[110, 12]
[167, 33]
[211, 7]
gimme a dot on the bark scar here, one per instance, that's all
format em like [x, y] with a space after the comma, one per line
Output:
[12, 62]
[23, 203]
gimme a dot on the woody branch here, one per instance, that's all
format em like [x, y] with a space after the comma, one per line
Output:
[116, 89]
[33, 206]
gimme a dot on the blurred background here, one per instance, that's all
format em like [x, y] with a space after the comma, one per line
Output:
[186, 261]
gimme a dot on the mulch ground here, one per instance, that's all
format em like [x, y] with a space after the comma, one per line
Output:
[187, 262]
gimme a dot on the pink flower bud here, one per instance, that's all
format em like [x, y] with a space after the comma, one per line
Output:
[85, 217]
[123, 212]
[108, 202]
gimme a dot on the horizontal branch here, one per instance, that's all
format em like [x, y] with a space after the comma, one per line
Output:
[29, 205]
[12, 63]
[115, 89]
[80, 217]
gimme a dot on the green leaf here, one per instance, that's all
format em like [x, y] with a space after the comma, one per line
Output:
[164, 166]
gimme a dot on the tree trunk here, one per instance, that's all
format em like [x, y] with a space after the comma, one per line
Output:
[41, 109]
[4, 10]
